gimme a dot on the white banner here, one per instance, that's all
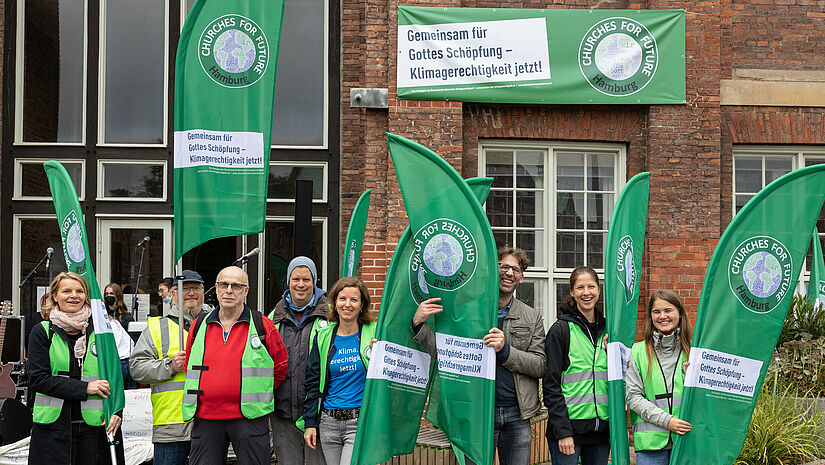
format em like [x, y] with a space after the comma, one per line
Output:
[618, 355]
[222, 149]
[400, 364]
[465, 356]
[719, 371]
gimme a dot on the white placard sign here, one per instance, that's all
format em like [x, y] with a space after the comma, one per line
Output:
[400, 364]
[465, 356]
[719, 371]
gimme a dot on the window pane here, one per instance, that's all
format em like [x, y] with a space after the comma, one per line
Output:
[500, 208]
[135, 54]
[530, 209]
[125, 259]
[280, 241]
[282, 181]
[53, 71]
[741, 200]
[811, 161]
[562, 292]
[33, 182]
[500, 168]
[570, 211]
[748, 174]
[595, 249]
[533, 243]
[569, 250]
[532, 293]
[570, 171]
[600, 172]
[129, 180]
[776, 167]
[530, 169]
[599, 210]
[38, 235]
[299, 93]
[503, 238]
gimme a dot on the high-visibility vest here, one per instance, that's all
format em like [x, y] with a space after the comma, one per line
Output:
[324, 337]
[47, 408]
[257, 375]
[647, 436]
[167, 396]
[584, 382]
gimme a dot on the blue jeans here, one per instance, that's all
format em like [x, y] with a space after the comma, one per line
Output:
[511, 436]
[591, 454]
[171, 453]
[653, 457]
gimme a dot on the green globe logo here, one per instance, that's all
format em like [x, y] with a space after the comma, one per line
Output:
[443, 254]
[233, 51]
[444, 258]
[759, 273]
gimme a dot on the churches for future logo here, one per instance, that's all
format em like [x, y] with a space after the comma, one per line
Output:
[626, 268]
[233, 51]
[73, 248]
[445, 249]
[759, 273]
[618, 56]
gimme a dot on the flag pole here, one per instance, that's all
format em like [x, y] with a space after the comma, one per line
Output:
[112, 454]
[179, 279]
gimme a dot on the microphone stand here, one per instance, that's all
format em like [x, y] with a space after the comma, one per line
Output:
[32, 292]
[137, 281]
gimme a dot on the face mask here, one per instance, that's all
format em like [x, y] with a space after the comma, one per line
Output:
[110, 300]
[167, 300]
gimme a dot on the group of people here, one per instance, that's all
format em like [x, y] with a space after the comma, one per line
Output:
[294, 380]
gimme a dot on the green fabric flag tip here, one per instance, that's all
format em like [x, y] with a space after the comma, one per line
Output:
[224, 90]
[455, 259]
[622, 273]
[745, 297]
[399, 373]
[816, 285]
[76, 252]
[355, 235]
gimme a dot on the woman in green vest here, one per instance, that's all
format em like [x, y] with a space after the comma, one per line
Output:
[655, 377]
[68, 407]
[575, 383]
[336, 372]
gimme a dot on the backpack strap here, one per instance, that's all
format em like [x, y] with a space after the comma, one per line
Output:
[258, 318]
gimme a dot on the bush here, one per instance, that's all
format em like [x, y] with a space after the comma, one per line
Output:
[782, 431]
[802, 318]
[798, 361]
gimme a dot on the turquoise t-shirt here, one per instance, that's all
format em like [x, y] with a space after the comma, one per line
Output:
[347, 374]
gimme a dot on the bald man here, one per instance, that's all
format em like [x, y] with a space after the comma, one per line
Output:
[234, 360]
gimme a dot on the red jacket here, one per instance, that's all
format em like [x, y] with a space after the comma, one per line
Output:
[221, 383]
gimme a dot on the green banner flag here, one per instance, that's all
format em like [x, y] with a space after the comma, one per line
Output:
[78, 260]
[399, 372]
[816, 285]
[455, 258]
[547, 56]
[746, 293]
[224, 91]
[355, 235]
[622, 273]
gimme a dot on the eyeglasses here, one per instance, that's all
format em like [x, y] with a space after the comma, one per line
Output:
[503, 267]
[235, 286]
[188, 289]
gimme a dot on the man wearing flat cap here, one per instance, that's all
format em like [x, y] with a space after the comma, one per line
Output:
[159, 361]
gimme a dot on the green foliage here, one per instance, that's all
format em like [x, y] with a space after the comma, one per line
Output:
[782, 431]
[799, 361]
[803, 317]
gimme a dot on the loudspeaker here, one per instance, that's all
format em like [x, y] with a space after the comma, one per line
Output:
[13, 340]
[15, 421]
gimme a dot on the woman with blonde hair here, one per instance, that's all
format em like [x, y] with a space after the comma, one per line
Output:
[655, 377]
[336, 372]
[63, 373]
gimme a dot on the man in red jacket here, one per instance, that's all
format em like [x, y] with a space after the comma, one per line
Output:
[235, 358]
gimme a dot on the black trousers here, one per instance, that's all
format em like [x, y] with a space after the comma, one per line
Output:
[249, 438]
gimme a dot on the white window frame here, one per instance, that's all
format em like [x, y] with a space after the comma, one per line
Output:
[324, 221]
[550, 275]
[19, 76]
[101, 90]
[18, 182]
[799, 155]
[304, 164]
[15, 266]
[101, 180]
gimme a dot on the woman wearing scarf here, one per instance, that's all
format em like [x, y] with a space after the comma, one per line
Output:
[68, 421]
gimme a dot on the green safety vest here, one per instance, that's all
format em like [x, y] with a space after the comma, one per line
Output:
[167, 396]
[47, 408]
[257, 375]
[584, 382]
[325, 337]
[647, 436]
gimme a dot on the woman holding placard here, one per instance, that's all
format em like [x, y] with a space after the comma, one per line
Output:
[655, 377]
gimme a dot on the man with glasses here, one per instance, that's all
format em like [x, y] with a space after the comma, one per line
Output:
[234, 360]
[518, 341]
[159, 361]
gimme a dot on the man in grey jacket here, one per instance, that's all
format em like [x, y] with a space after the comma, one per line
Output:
[518, 341]
[158, 360]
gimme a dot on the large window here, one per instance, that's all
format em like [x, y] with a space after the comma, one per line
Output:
[755, 168]
[555, 202]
